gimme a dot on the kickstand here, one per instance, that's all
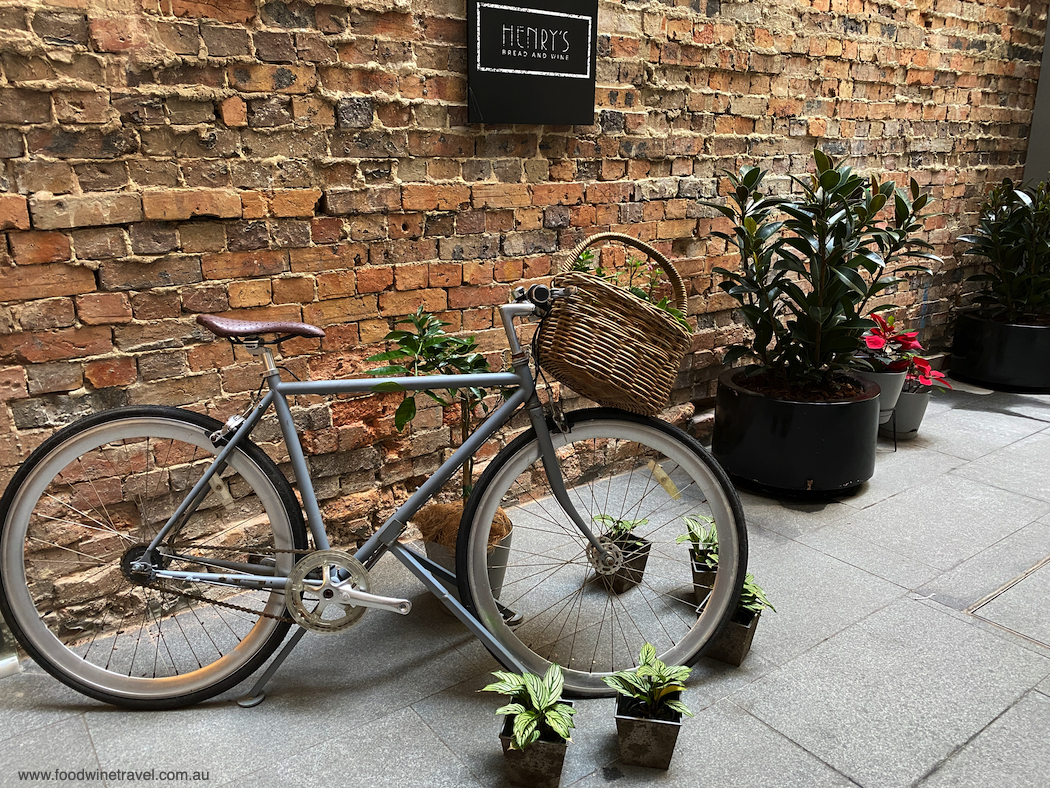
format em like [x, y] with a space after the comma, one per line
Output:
[256, 695]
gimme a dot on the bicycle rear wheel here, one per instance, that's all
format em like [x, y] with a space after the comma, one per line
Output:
[619, 468]
[84, 506]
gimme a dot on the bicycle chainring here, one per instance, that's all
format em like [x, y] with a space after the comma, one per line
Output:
[312, 593]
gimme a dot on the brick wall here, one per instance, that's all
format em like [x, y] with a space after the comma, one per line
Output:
[313, 162]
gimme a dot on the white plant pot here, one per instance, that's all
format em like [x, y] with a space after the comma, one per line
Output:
[907, 416]
[890, 384]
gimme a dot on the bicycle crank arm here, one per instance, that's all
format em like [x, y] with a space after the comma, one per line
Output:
[352, 596]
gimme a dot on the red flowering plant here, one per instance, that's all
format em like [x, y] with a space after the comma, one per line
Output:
[886, 349]
[922, 376]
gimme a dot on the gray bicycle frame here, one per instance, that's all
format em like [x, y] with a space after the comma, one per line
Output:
[385, 539]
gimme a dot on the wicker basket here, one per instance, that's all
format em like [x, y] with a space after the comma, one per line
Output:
[607, 344]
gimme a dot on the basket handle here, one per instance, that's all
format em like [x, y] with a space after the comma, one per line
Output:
[677, 286]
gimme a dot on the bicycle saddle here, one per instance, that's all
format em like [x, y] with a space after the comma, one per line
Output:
[228, 327]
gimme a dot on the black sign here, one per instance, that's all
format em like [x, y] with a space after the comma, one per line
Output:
[532, 62]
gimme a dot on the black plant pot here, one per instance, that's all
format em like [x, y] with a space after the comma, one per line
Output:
[643, 740]
[802, 449]
[1001, 356]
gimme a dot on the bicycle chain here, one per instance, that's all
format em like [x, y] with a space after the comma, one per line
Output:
[230, 605]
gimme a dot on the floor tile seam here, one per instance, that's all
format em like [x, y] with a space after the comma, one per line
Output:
[988, 627]
[794, 743]
[437, 735]
[876, 546]
[990, 485]
[960, 748]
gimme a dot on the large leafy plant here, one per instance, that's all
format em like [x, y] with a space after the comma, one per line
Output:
[811, 263]
[425, 349]
[653, 685]
[1013, 239]
[535, 704]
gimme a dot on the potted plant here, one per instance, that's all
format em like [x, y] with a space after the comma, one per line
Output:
[424, 348]
[633, 548]
[1005, 342]
[884, 360]
[536, 726]
[797, 421]
[703, 552]
[735, 641]
[649, 710]
[920, 380]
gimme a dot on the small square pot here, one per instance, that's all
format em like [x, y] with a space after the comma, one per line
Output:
[537, 766]
[645, 742]
[635, 556]
[703, 577]
[735, 641]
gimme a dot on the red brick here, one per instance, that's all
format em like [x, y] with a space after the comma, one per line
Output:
[33, 248]
[293, 290]
[403, 302]
[101, 308]
[328, 258]
[12, 383]
[337, 284]
[557, 194]
[234, 112]
[88, 210]
[221, 10]
[237, 265]
[374, 280]
[14, 212]
[294, 202]
[501, 195]
[254, 205]
[57, 345]
[259, 78]
[340, 310]
[44, 281]
[110, 372]
[445, 275]
[465, 297]
[178, 204]
[426, 197]
[48, 313]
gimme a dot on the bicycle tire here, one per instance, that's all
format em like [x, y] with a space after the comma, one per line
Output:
[629, 468]
[93, 495]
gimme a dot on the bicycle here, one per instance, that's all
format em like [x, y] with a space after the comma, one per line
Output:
[152, 557]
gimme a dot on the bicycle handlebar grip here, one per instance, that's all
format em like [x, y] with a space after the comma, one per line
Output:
[540, 295]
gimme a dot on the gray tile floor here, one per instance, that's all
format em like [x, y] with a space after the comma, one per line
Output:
[906, 652]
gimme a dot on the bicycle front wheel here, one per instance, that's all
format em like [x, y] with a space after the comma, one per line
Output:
[85, 506]
[556, 602]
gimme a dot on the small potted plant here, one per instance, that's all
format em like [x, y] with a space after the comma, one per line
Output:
[703, 552]
[633, 548]
[884, 360]
[735, 641]
[424, 348]
[921, 378]
[649, 710]
[536, 726]
[1004, 343]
